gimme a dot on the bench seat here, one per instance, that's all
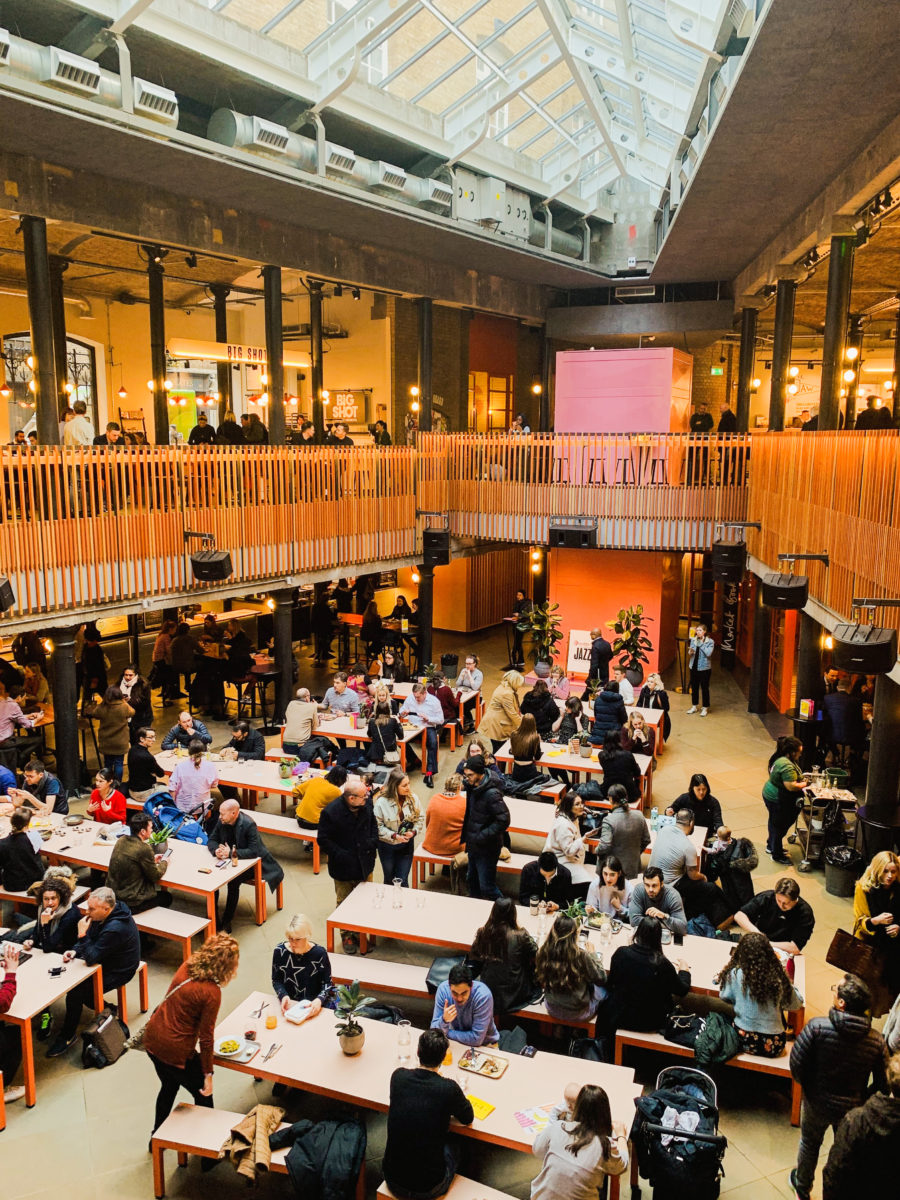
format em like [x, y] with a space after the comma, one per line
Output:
[460, 1189]
[287, 827]
[749, 1062]
[174, 925]
[422, 858]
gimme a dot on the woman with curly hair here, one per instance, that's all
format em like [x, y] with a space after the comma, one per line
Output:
[755, 982]
[185, 1016]
[571, 979]
[56, 929]
[876, 913]
[503, 954]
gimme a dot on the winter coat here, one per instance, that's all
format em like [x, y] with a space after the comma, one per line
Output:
[247, 1146]
[349, 839]
[865, 1151]
[649, 698]
[20, 864]
[112, 725]
[609, 713]
[732, 867]
[502, 715]
[244, 836]
[134, 873]
[486, 819]
[621, 767]
[544, 710]
[833, 1058]
[59, 934]
[512, 982]
[325, 1157]
[115, 944]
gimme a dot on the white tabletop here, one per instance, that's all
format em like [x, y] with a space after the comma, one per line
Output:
[257, 775]
[36, 989]
[342, 727]
[311, 1058]
[558, 756]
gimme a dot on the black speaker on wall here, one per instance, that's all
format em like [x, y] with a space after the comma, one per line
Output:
[729, 560]
[578, 534]
[212, 566]
[436, 547]
[7, 598]
[785, 591]
[864, 649]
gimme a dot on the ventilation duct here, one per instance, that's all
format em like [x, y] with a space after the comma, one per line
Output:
[339, 160]
[151, 100]
[4, 47]
[70, 71]
[389, 178]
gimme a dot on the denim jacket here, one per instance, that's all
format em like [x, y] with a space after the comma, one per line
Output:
[701, 653]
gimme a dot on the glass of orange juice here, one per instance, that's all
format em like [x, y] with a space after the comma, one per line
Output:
[271, 1021]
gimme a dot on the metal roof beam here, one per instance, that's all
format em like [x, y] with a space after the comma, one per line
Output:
[494, 92]
[354, 35]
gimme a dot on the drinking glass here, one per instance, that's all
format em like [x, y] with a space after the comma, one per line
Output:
[462, 1078]
[378, 895]
[398, 893]
[533, 905]
[420, 897]
[404, 1052]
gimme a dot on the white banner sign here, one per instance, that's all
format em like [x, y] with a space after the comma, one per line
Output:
[579, 659]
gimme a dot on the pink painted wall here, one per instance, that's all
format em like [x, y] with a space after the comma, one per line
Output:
[590, 586]
[623, 391]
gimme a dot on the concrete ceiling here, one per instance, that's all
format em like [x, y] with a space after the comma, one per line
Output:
[818, 83]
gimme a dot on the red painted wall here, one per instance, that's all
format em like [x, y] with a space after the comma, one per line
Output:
[590, 586]
[492, 345]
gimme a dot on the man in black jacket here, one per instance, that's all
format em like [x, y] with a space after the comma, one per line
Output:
[106, 935]
[547, 879]
[867, 1144]
[247, 744]
[601, 657]
[832, 1060]
[234, 830]
[348, 834]
[485, 822]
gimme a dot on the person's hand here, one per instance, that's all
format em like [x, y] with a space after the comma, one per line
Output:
[27, 945]
[552, 906]
[222, 852]
[589, 908]
[615, 902]
[11, 957]
[315, 1008]
[286, 1003]
[46, 916]
[449, 1013]
[893, 930]
[105, 805]
[884, 918]
[157, 858]
[69, 955]
[656, 912]
[207, 1088]
[682, 965]
[83, 926]
[570, 1095]
[619, 1130]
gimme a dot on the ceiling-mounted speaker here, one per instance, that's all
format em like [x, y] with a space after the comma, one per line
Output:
[785, 591]
[864, 649]
[436, 548]
[729, 560]
[212, 566]
[576, 533]
[7, 596]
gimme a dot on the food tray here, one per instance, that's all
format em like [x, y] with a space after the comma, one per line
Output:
[479, 1062]
[245, 1052]
[596, 921]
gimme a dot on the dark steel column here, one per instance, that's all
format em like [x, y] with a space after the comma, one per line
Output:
[220, 294]
[37, 276]
[315, 358]
[282, 620]
[426, 615]
[854, 338]
[545, 421]
[758, 699]
[896, 375]
[781, 350]
[274, 353]
[134, 641]
[746, 361]
[810, 683]
[426, 364]
[158, 344]
[882, 803]
[837, 307]
[58, 268]
[65, 706]
[540, 579]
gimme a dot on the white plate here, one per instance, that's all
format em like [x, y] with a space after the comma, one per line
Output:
[242, 1045]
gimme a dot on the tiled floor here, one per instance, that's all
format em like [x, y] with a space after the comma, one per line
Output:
[89, 1129]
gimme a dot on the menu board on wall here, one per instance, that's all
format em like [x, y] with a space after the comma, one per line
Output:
[352, 405]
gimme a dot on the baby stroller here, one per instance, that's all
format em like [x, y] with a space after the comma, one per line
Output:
[682, 1159]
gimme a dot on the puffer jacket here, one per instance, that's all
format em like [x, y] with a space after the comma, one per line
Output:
[115, 944]
[833, 1058]
[325, 1157]
[865, 1151]
[609, 713]
[486, 819]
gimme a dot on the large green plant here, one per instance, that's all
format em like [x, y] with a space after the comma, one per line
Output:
[545, 631]
[631, 641]
[350, 1005]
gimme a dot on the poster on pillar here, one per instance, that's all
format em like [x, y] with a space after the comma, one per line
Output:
[731, 595]
[579, 658]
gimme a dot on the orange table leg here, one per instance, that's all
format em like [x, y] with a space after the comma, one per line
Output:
[144, 985]
[330, 929]
[317, 858]
[28, 1064]
[159, 1175]
[279, 896]
[98, 990]
[260, 889]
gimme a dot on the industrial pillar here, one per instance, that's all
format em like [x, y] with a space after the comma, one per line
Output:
[426, 615]
[544, 418]
[65, 706]
[882, 817]
[896, 376]
[134, 641]
[282, 620]
[837, 307]
[426, 363]
[220, 294]
[810, 685]
[781, 349]
[746, 363]
[155, 273]
[37, 276]
[274, 353]
[315, 358]
[758, 699]
[854, 338]
[58, 268]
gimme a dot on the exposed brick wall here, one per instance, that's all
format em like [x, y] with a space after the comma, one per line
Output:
[450, 369]
[529, 350]
[713, 389]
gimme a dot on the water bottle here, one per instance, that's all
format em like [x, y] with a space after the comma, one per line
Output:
[654, 819]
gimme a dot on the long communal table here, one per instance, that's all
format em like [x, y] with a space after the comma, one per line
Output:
[559, 758]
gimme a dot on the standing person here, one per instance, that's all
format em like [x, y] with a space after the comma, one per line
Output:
[624, 832]
[111, 439]
[380, 435]
[192, 781]
[464, 1010]
[399, 819]
[181, 658]
[203, 434]
[144, 772]
[874, 415]
[93, 664]
[866, 1144]
[503, 955]
[580, 1145]
[571, 979]
[876, 914]
[424, 711]
[348, 834]
[136, 691]
[322, 622]
[780, 793]
[107, 804]
[340, 436]
[301, 969]
[161, 663]
[522, 609]
[601, 657]
[833, 1059]
[418, 1164]
[755, 982]
[727, 419]
[229, 432]
[134, 869]
[654, 695]
[113, 715]
[700, 652]
[186, 1017]
[255, 433]
[235, 833]
[486, 821]
[565, 841]
[502, 715]
[79, 431]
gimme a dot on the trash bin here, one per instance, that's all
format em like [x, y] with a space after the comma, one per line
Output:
[450, 666]
[837, 777]
[843, 866]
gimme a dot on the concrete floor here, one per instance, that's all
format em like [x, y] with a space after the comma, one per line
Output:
[90, 1128]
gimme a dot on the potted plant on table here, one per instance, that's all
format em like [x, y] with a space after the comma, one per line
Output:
[350, 1004]
[585, 746]
[545, 633]
[159, 838]
[631, 641]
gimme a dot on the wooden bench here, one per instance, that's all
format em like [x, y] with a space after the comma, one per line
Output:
[749, 1062]
[174, 925]
[190, 1129]
[17, 899]
[287, 827]
[460, 1189]
[423, 858]
[144, 989]
[408, 979]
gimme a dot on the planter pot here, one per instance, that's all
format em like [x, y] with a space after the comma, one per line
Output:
[161, 847]
[542, 670]
[285, 768]
[585, 751]
[635, 675]
[353, 1043]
